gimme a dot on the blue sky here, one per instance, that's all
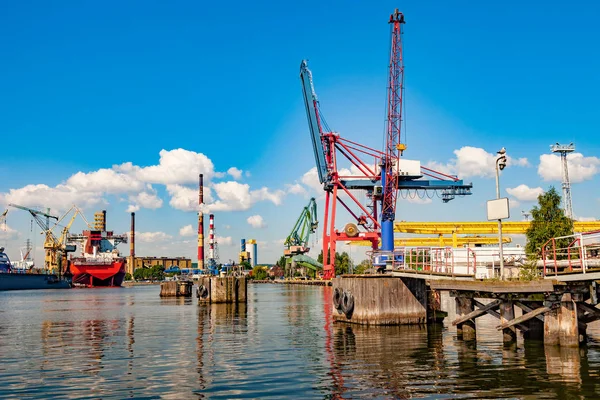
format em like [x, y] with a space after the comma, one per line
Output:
[88, 86]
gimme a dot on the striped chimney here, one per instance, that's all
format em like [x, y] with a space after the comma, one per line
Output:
[200, 224]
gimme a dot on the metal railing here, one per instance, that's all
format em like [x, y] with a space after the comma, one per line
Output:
[572, 253]
[444, 260]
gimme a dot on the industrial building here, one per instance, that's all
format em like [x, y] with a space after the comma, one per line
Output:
[134, 262]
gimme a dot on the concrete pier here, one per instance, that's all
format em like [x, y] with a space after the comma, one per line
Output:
[229, 289]
[176, 289]
[380, 300]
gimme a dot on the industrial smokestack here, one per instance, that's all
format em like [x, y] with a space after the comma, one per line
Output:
[200, 224]
[104, 219]
[132, 239]
[211, 237]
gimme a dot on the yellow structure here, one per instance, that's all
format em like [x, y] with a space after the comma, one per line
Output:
[479, 228]
[440, 241]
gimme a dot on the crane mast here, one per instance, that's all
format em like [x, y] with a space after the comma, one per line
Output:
[393, 146]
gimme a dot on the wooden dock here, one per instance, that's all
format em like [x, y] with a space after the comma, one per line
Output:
[556, 309]
[315, 282]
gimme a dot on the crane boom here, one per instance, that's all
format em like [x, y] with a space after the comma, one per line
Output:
[311, 103]
[297, 240]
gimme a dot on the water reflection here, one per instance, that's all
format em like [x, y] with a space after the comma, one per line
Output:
[282, 344]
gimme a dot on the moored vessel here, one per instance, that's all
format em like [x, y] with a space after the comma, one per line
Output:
[16, 279]
[99, 262]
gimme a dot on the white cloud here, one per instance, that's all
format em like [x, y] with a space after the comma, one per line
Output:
[224, 241]
[235, 173]
[106, 181]
[235, 196]
[583, 219]
[60, 197]
[311, 179]
[132, 208]
[151, 237]
[187, 230]
[146, 200]
[178, 166]
[248, 174]
[580, 168]
[8, 233]
[474, 162]
[512, 203]
[525, 193]
[295, 188]
[256, 221]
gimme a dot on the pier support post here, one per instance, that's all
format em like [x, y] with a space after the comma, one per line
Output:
[535, 325]
[507, 313]
[551, 328]
[467, 329]
[569, 329]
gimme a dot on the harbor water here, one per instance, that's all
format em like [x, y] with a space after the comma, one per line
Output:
[130, 343]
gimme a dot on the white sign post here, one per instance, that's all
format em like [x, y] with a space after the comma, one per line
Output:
[499, 209]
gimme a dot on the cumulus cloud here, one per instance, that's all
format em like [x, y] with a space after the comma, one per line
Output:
[525, 193]
[311, 179]
[224, 240]
[256, 221]
[580, 168]
[59, 197]
[187, 230]
[8, 233]
[151, 237]
[106, 181]
[177, 166]
[177, 169]
[474, 162]
[295, 188]
[235, 196]
[235, 173]
[147, 199]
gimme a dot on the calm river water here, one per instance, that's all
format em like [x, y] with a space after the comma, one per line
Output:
[130, 343]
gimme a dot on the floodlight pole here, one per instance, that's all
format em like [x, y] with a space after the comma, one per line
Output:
[502, 157]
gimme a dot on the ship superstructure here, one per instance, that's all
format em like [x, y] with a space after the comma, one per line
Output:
[98, 261]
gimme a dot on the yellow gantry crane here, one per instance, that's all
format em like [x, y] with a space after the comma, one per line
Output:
[475, 229]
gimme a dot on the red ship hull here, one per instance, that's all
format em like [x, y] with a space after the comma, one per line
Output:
[93, 274]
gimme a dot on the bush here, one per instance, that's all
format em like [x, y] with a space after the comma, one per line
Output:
[128, 276]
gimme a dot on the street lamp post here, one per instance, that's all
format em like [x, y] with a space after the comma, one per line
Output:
[500, 165]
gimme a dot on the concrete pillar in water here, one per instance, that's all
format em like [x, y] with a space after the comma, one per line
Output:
[467, 330]
[569, 330]
[507, 313]
[551, 328]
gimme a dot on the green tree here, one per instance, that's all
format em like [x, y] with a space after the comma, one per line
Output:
[281, 262]
[548, 221]
[246, 265]
[363, 267]
[259, 273]
[343, 263]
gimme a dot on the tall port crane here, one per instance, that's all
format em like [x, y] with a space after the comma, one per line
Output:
[55, 248]
[380, 173]
[297, 241]
[307, 223]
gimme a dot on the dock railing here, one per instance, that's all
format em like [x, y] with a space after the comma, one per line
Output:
[443, 260]
[572, 253]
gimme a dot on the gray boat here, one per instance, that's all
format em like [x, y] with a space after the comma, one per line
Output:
[14, 280]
